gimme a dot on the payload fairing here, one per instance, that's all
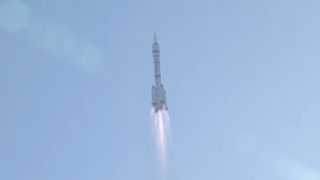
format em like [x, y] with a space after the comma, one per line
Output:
[159, 99]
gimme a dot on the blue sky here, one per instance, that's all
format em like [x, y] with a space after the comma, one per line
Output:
[241, 78]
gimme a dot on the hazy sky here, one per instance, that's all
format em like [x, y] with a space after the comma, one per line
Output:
[242, 80]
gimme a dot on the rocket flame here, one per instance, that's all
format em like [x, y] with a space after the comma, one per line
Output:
[162, 131]
[161, 136]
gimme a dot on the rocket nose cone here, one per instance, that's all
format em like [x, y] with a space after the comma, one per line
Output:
[155, 45]
[155, 48]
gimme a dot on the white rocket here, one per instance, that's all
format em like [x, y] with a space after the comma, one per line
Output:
[159, 99]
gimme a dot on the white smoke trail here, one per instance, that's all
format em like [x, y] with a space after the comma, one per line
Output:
[161, 121]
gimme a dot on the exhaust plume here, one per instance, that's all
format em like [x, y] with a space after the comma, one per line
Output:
[162, 132]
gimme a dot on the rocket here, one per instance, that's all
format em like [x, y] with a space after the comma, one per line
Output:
[159, 99]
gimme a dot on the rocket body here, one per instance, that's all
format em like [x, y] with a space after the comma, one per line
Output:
[159, 99]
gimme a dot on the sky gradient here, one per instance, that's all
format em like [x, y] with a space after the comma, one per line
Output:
[242, 80]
